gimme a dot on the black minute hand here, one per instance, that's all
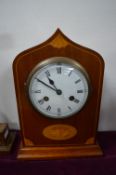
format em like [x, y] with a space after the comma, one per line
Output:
[45, 84]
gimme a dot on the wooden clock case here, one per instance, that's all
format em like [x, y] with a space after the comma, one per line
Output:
[34, 145]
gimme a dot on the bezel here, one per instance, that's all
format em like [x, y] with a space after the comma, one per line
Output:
[59, 61]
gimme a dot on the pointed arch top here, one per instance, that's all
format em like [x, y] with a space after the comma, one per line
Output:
[60, 41]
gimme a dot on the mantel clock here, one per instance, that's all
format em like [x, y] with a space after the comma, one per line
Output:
[58, 88]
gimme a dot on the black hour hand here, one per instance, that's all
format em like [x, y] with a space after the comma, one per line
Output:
[58, 91]
[50, 81]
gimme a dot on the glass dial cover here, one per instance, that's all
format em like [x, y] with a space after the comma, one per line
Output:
[58, 87]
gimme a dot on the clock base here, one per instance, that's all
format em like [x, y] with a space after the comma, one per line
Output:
[32, 153]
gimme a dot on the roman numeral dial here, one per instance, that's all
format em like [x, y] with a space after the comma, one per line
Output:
[58, 89]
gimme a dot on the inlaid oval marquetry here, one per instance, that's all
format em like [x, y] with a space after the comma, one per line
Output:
[59, 132]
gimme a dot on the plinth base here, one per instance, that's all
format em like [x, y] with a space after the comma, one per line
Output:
[30, 153]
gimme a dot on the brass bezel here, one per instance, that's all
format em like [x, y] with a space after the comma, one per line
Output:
[58, 60]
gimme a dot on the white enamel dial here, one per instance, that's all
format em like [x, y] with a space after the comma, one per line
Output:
[58, 88]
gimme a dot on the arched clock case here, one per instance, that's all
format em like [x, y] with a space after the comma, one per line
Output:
[58, 88]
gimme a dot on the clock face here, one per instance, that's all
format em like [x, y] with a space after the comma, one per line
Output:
[58, 87]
